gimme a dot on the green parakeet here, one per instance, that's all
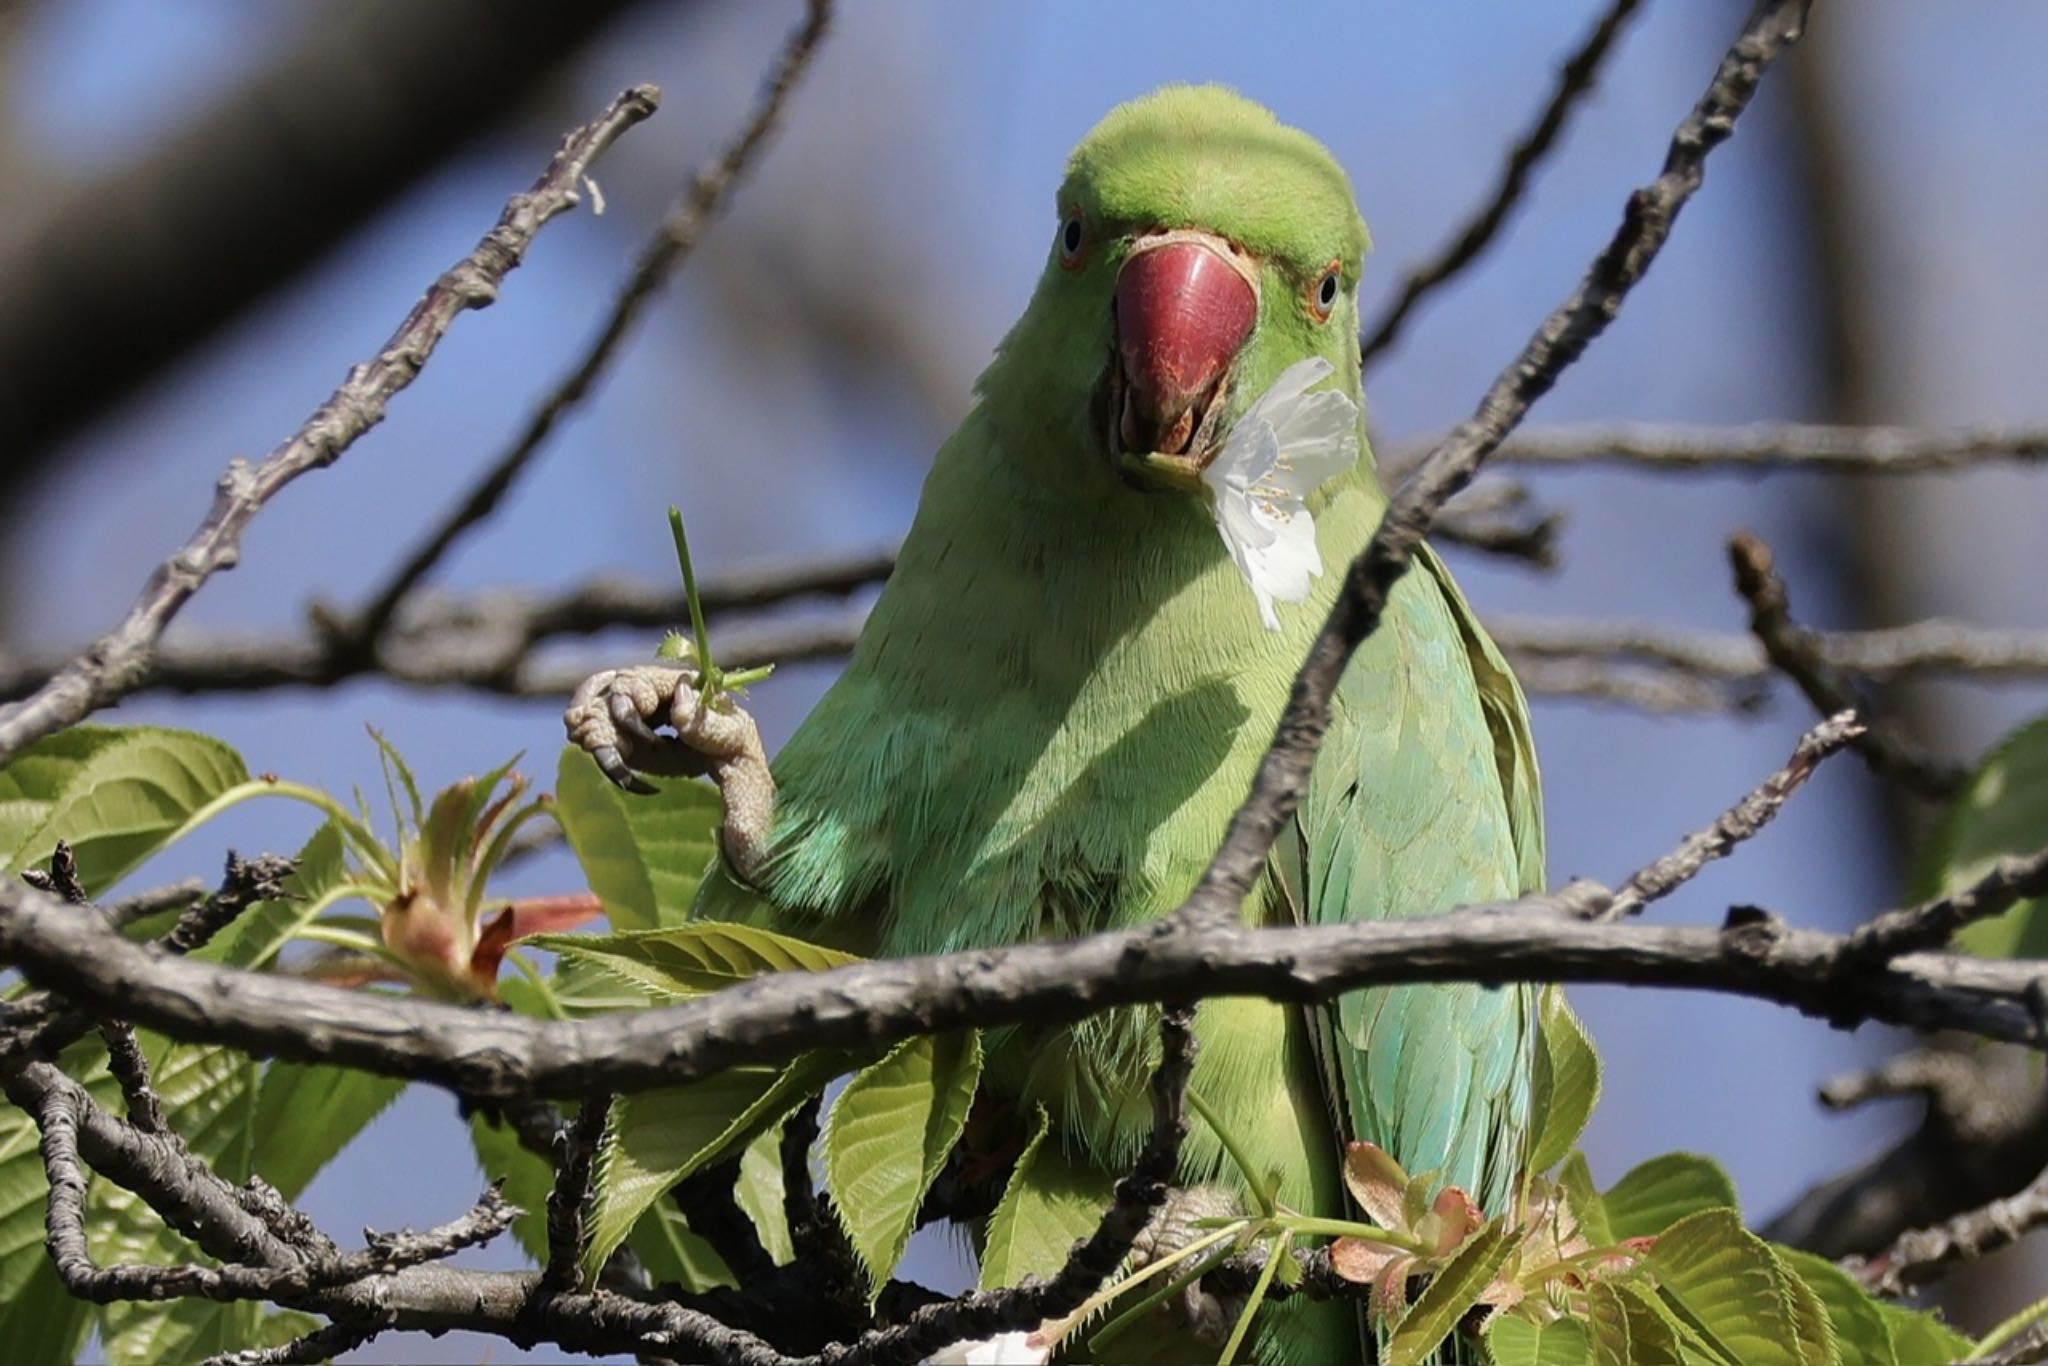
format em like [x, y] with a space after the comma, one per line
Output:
[1063, 691]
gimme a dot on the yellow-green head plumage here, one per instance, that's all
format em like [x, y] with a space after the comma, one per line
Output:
[1063, 691]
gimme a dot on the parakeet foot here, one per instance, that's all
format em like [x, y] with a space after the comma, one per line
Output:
[613, 714]
[1208, 1316]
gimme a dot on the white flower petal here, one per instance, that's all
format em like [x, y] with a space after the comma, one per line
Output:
[1291, 383]
[1006, 1349]
[1320, 431]
[1285, 446]
[1249, 456]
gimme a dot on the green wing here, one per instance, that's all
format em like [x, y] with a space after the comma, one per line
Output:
[1425, 797]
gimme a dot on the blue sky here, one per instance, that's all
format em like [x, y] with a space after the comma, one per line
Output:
[919, 165]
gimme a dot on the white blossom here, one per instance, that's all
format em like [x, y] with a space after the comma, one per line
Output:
[1287, 444]
[1007, 1349]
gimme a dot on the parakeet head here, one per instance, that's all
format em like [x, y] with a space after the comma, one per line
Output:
[1201, 248]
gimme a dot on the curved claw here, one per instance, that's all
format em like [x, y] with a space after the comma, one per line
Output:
[613, 765]
[626, 716]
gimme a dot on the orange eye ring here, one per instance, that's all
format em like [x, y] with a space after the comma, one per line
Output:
[1321, 296]
[1072, 243]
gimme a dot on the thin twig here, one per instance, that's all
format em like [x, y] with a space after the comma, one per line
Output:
[110, 669]
[1931, 924]
[670, 246]
[1573, 81]
[175, 896]
[324, 1343]
[1793, 650]
[45, 1024]
[245, 883]
[58, 1115]
[1775, 446]
[1927, 1254]
[131, 1073]
[61, 879]
[569, 1202]
[1736, 824]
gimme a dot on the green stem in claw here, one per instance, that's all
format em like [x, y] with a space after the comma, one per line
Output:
[709, 679]
[1254, 1180]
[1279, 1250]
[1110, 1331]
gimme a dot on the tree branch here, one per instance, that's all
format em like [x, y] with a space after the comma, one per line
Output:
[1926, 1254]
[771, 1019]
[1573, 81]
[112, 667]
[113, 278]
[1778, 446]
[1739, 823]
[670, 246]
[1792, 649]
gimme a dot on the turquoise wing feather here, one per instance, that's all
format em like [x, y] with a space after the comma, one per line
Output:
[1426, 796]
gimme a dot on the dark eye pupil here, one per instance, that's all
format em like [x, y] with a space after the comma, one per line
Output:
[1071, 237]
[1328, 293]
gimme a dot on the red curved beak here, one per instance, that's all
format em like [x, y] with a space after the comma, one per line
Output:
[1183, 309]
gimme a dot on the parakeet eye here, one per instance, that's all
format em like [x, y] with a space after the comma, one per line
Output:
[1071, 240]
[1322, 295]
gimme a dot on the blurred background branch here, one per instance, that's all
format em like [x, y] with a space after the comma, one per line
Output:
[106, 283]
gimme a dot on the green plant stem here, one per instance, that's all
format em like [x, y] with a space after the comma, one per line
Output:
[1146, 1273]
[341, 937]
[2005, 1332]
[1304, 1225]
[707, 671]
[1258, 1297]
[531, 971]
[352, 828]
[1115, 1328]
[1254, 1180]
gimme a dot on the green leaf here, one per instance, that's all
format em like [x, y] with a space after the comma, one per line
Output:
[1724, 1282]
[1450, 1294]
[1814, 1328]
[691, 960]
[23, 1191]
[115, 800]
[30, 785]
[644, 855]
[1628, 1327]
[2002, 809]
[887, 1137]
[1859, 1327]
[1583, 1199]
[524, 1179]
[671, 1251]
[1050, 1204]
[1660, 1192]
[1918, 1336]
[657, 1138]
[41, 1321]
[135, 1334]
[1567, 1082]
[759, 1194]
[305, 1116]
[1518, 1342]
